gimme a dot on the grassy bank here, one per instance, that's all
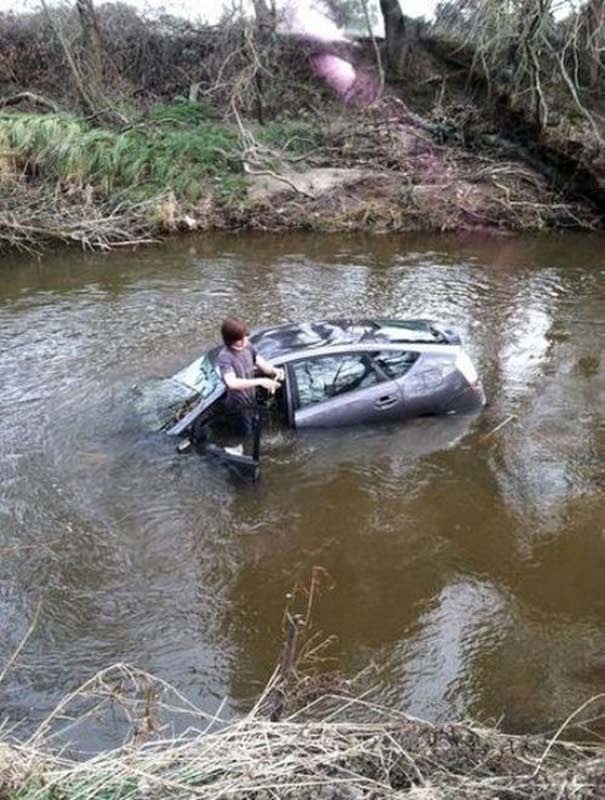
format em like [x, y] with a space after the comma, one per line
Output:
[134, 164]
[436, 132]
[335, 747]
[61, 178]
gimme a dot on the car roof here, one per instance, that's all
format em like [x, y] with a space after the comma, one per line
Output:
[293, 337]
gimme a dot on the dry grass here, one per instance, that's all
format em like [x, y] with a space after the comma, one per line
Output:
[336, 747]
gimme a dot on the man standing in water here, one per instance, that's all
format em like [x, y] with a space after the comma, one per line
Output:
[237, 364]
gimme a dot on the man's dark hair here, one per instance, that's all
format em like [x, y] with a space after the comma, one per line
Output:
[232, 330]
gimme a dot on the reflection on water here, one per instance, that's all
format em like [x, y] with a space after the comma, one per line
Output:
[468, 565]
[437, 659]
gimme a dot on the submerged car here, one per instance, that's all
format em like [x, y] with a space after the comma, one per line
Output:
[340, 372]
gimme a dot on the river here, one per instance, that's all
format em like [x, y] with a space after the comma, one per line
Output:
[467, 564]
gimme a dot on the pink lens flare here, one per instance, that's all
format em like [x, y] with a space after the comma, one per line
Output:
[337, 73]
[310, 20]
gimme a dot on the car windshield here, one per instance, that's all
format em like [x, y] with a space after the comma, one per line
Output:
[160, 401]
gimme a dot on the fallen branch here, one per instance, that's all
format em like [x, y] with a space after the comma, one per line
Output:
[249, 171]
[31, 218]
[30, 97]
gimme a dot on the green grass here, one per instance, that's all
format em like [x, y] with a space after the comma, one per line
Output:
[138, 163]
[102, 788]
[231, 189]
[296, 137]
[177, 149]
[181, 112]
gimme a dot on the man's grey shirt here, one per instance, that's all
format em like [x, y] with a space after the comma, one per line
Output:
[241, 363]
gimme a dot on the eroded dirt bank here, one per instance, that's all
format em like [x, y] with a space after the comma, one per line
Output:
[392, 174]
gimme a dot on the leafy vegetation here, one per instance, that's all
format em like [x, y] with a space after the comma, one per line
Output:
[136, 163]
[177, 151]
[230, 189]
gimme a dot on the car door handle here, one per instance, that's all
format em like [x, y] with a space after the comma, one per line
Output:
[386, 402]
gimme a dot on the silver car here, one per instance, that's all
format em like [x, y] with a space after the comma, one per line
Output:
[343, 372]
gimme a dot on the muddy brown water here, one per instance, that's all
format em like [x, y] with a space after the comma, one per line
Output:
[469, 568]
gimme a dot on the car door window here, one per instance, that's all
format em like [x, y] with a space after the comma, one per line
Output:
[395, 363]
[324, 377]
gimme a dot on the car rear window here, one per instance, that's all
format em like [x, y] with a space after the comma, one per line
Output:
[395, 363]
[420, 331]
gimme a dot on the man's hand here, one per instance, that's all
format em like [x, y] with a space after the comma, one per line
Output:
[267, 368]
[270, 385]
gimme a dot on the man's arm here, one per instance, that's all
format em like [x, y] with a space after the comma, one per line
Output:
[236, 384]
[268, 369]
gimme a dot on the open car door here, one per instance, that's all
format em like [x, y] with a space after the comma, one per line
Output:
[206, 428]
[203, 422]
[242, 454]
[242, 458]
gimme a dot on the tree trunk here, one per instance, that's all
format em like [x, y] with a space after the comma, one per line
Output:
[399, 31]
[88, 78]
[265, 14]
[261, 57]
[92, 49]
[595, 16]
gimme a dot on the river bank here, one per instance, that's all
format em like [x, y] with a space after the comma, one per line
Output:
[381, 169]
[338, 746]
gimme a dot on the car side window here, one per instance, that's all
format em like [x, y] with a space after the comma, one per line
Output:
[324, 377]
[395, 363]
